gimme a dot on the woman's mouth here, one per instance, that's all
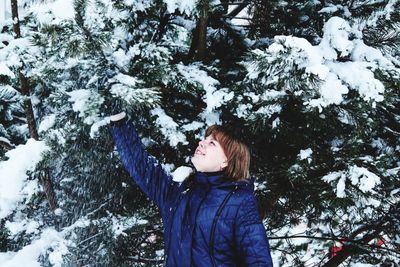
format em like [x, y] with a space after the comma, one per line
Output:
[199, 152]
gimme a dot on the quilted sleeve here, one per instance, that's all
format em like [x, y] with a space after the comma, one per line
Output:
[250, 236]
[145, 170]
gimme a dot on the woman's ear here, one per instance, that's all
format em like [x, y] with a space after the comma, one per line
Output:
[224, 164]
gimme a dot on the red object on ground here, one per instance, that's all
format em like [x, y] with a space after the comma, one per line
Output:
[334, 250]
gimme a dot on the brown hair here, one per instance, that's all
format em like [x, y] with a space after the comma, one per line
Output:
[236, 151]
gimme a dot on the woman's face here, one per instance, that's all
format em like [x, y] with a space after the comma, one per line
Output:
[209, 156]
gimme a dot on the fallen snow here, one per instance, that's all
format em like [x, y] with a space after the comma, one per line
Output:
[29, 255]
[14, 183]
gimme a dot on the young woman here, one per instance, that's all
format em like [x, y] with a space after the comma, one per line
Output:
[212, 220]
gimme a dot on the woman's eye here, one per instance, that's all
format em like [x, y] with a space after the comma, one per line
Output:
[212, 143]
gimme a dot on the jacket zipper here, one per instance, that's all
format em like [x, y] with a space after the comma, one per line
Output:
[219, 211]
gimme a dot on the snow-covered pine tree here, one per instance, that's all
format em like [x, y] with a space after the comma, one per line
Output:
[325, 160]
[90, 56]
[323, 111]
[13, 129]
[90, 60]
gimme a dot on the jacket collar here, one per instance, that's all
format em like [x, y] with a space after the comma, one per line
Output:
[218, 179]
[209, 178]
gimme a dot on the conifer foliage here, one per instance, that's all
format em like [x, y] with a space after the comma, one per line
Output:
[312, 87]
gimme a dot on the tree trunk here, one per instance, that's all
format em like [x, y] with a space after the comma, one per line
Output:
[202, 30]
[24, 84]
[30, 117]
[47, 184]
[199, 40]
[14, 13]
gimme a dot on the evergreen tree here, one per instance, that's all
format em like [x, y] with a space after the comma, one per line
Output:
[12, 130]
[312, 87]
[314, 130]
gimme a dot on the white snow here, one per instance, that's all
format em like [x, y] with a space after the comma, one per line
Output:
[128, 88]
[120, 224]
[3, 11]
[169, 128]
[79, 99]
[312, 57]
[29, 226]
[193, 126]
[184, 6]
[337, 77]
[15, 189]
[94, 129]
[86, 103]
[365, 179]
[14, 186]
[306, 154]
[53, 12]
[5, 140]
[127, 80]
[332, 91]
[359, 77]
[4, 70]
[341, 186]
[360, 177]
[362, 53]
[269, 110]
[211, 118]
[181, 173]
[213, 97]
[121, 58]
[29, 255]
[336, 38]
[243, 110]
[47, 123]
[382, 14]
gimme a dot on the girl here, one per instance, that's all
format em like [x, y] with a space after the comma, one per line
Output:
[211, 220]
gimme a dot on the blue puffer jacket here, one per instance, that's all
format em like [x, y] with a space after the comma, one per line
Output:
[213, 222]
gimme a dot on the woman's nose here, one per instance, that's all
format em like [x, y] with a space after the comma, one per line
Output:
[201, 143]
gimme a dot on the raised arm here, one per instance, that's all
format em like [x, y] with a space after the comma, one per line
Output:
[250, 237]
[145, 170]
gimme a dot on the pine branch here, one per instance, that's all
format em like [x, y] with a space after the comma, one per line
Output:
[6, 145]
[146, 260]
[238, 9]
